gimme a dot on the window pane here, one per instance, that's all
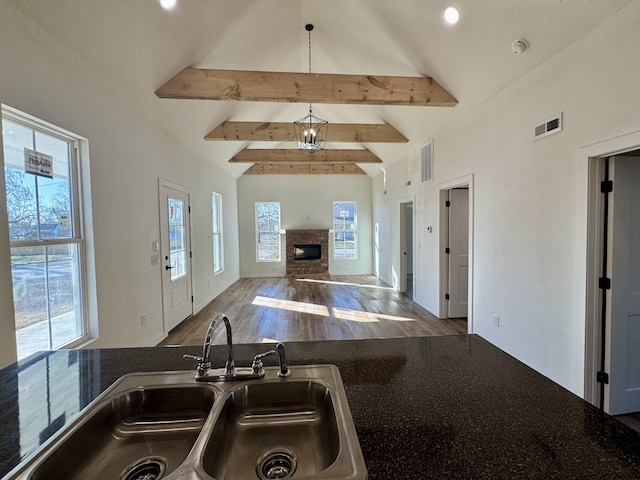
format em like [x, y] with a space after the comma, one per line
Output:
[64, 293]
[268, 246]
[21, 205]
[47, 297]
[54, 194]
[177, 247]
[214, 213]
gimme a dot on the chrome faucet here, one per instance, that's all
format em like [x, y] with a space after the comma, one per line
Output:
[230, 372]
[204, 362]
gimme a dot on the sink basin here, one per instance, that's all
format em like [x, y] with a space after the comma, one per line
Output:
[165, 425]
[149, 428]
[276, 428]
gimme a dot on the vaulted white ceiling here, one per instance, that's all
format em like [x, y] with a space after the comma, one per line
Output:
[135, 47]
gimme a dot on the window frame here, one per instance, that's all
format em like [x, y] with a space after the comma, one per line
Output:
[216, 230]
[78, 237]
[268, 232]
[336, 230]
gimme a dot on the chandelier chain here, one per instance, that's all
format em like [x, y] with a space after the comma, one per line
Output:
[309, 51]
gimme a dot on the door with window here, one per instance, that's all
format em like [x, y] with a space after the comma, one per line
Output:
[175, 234]
[43, 207]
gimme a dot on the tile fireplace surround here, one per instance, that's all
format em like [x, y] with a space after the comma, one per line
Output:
[319, 266]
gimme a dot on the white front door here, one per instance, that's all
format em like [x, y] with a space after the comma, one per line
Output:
[623, 350]
[458, 253]
[175, 235]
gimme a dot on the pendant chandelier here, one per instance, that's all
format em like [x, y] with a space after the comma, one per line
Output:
[310, 131]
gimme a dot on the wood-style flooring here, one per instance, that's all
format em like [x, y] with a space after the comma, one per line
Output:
[301, 309]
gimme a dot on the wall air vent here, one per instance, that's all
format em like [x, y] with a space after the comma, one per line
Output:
[548, 127]
[426, 162]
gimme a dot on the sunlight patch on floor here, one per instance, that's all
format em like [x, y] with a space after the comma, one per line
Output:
[366, 317]
[321, 310]
[302, 307]
[344, 284]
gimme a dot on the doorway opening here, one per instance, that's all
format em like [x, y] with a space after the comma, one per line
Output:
[456, 249]
[612, 334]
[406, 283]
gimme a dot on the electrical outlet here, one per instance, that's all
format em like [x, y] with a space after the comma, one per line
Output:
[143, 319]
[496, 320]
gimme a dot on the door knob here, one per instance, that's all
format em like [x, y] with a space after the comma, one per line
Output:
[167, 267]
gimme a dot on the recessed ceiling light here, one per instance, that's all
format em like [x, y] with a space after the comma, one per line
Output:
[451, 15]
[168, 4]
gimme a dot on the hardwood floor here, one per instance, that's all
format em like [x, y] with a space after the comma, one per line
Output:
[298, 309]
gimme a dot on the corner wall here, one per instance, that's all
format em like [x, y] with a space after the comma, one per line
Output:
[128, 153]
[530, 197]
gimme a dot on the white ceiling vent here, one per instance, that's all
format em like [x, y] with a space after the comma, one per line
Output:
[426, 162]
[548, 127]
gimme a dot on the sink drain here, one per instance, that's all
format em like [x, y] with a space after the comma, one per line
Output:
[277, 463]
[151, 468]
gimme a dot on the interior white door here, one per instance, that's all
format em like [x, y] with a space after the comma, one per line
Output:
[458, 252]
[176, 255]
[623, 350]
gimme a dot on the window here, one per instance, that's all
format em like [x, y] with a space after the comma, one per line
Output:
[43, 207]
[345, 230]
[268, 231]
[216, 215]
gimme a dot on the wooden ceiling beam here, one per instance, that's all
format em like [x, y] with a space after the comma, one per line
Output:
[291, 156]
[243, 85]
[284, 132]
[304, 169]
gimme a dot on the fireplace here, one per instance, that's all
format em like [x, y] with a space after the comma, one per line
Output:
[307, 252]
[310, 251]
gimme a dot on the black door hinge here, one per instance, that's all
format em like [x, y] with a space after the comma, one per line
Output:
[602, 377]
[448, 204]
[190, 254]
[604, 283]
[189, 208]
[447, 250]
[446, 296]
[606, 186]
[191, 298]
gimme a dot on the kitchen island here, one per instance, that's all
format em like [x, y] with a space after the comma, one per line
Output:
[452, 407]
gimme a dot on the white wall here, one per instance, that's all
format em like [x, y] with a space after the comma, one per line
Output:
[128, 153]
[530, 197]
[306, 202]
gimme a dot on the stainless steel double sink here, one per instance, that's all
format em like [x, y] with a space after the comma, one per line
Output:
[165, 425]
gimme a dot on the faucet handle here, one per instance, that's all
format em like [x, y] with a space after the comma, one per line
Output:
[202, 367]
[193, 357]
[257, 364]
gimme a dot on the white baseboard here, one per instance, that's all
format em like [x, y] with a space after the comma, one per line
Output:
[156, 340]
[263, 275]
[212, 297]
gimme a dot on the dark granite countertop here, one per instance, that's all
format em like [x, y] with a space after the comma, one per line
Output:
[425, 408]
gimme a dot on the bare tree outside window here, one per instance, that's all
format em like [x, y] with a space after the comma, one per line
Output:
[268, 231]
[345, 230]
[45, 239]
